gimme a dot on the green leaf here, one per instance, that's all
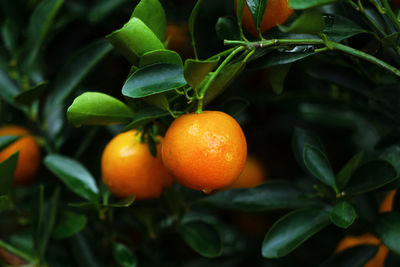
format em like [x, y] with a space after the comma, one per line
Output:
[159, 100]
[195, 71]
[239, 10]
[271, 195]
[134, 39]
[276, 58]
[7, 140]
[338, 28]
[7, 170]
[305, 4]
[292, 230]
[152, 14]
[370, 176]
[227, 29]
[343, 214]
[356, 256]
[388, 230]
[92, 108]
[144, 116]
[318, 165]
[29, 96]
[74, 175]
[8, 88]
[153, 79]
[40, 22]
[82, 251]
[347, 171]
[191, 22]
[103, 8]
[234, 106]
[9, 33]
[160, 56]
[301, 138]
[17, 252]
[277, 76]
[70, 224]
[124, 256]
[257, 10]
[391, 40]
[202, 238]
[5, 203]
[311, 21]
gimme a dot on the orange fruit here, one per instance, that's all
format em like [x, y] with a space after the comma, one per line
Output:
[128, 168]
[253, 174]
[276, 12]
[29, 153]
[204, 151]
[177, 36]
[387, 203]
[365, 239]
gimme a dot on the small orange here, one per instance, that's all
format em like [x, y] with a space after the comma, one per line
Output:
[253, 174]
[29, 153]
[205, 151]
[387, 203]
[128, 168]
[365, 239]
[276, 12]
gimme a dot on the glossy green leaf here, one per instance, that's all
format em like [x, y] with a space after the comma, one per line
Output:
[310, 21]
[388, 230]
[356, 256]
[74, 175]
[202, 238]
[7, 170]
[153, 79]
[343, 214]
[257, 9]
[160, 56]
[191, 23]
[370, 176]
[338, 28]
[70, 224]
[271, 195]
[92, 108]
[305, 4]
[318, 165]
[195, 71]
[227, 29]
[277, 76]
[8, 88]
[152, 14]
[292, 230]
[159, 100]
[276, 58]
[124, 256]
[31, 95]
[134, 39]
[347, 171]
[300, 139]
[144, 116]
[103, 8]
[7, 140]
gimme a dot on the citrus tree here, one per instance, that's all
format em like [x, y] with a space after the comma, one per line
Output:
[200, 133]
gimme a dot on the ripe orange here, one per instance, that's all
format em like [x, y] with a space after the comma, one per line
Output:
[365, 239]
[205, 151]
[29, 154]
[276, 12]
[387, 203]
[128, 168]
[253, 174]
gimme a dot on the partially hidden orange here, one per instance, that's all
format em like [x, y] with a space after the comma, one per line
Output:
[387, 203]
[129, 168]
[253, 174]
[205, 151]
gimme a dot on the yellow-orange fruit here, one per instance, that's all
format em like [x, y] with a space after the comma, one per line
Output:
[387, 203]
[128, 168]
[253, 174]
[205, 151]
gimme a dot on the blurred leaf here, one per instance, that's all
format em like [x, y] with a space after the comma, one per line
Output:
[391, 40]
[356, 256]
[70, 224]
[277, 76]
[234, 106]
[388, 230]
[191, 22]
[195, 71]
[103, 8]
[153, 79]
[7, 170]
[29, 96]
[92, 108]
[347, 171]
[268, 196]
[239, 10]
[123, 203]
[124, 256]
[300, 139]
[9, 32]
[39, 24]
[74, 175]
[202, 237]
[305, 4]
[152, 14]
[338, 28]
[5, 203]
[8, 88]
[160, 56]
[144, 116]
[343, 214]
[227, 29]
[134, 39]
[16, 251]
[257, 9]
[370, 176]
[83, 252]
[7, 140]
[292, 230]
[311, 21]
[318, 165]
